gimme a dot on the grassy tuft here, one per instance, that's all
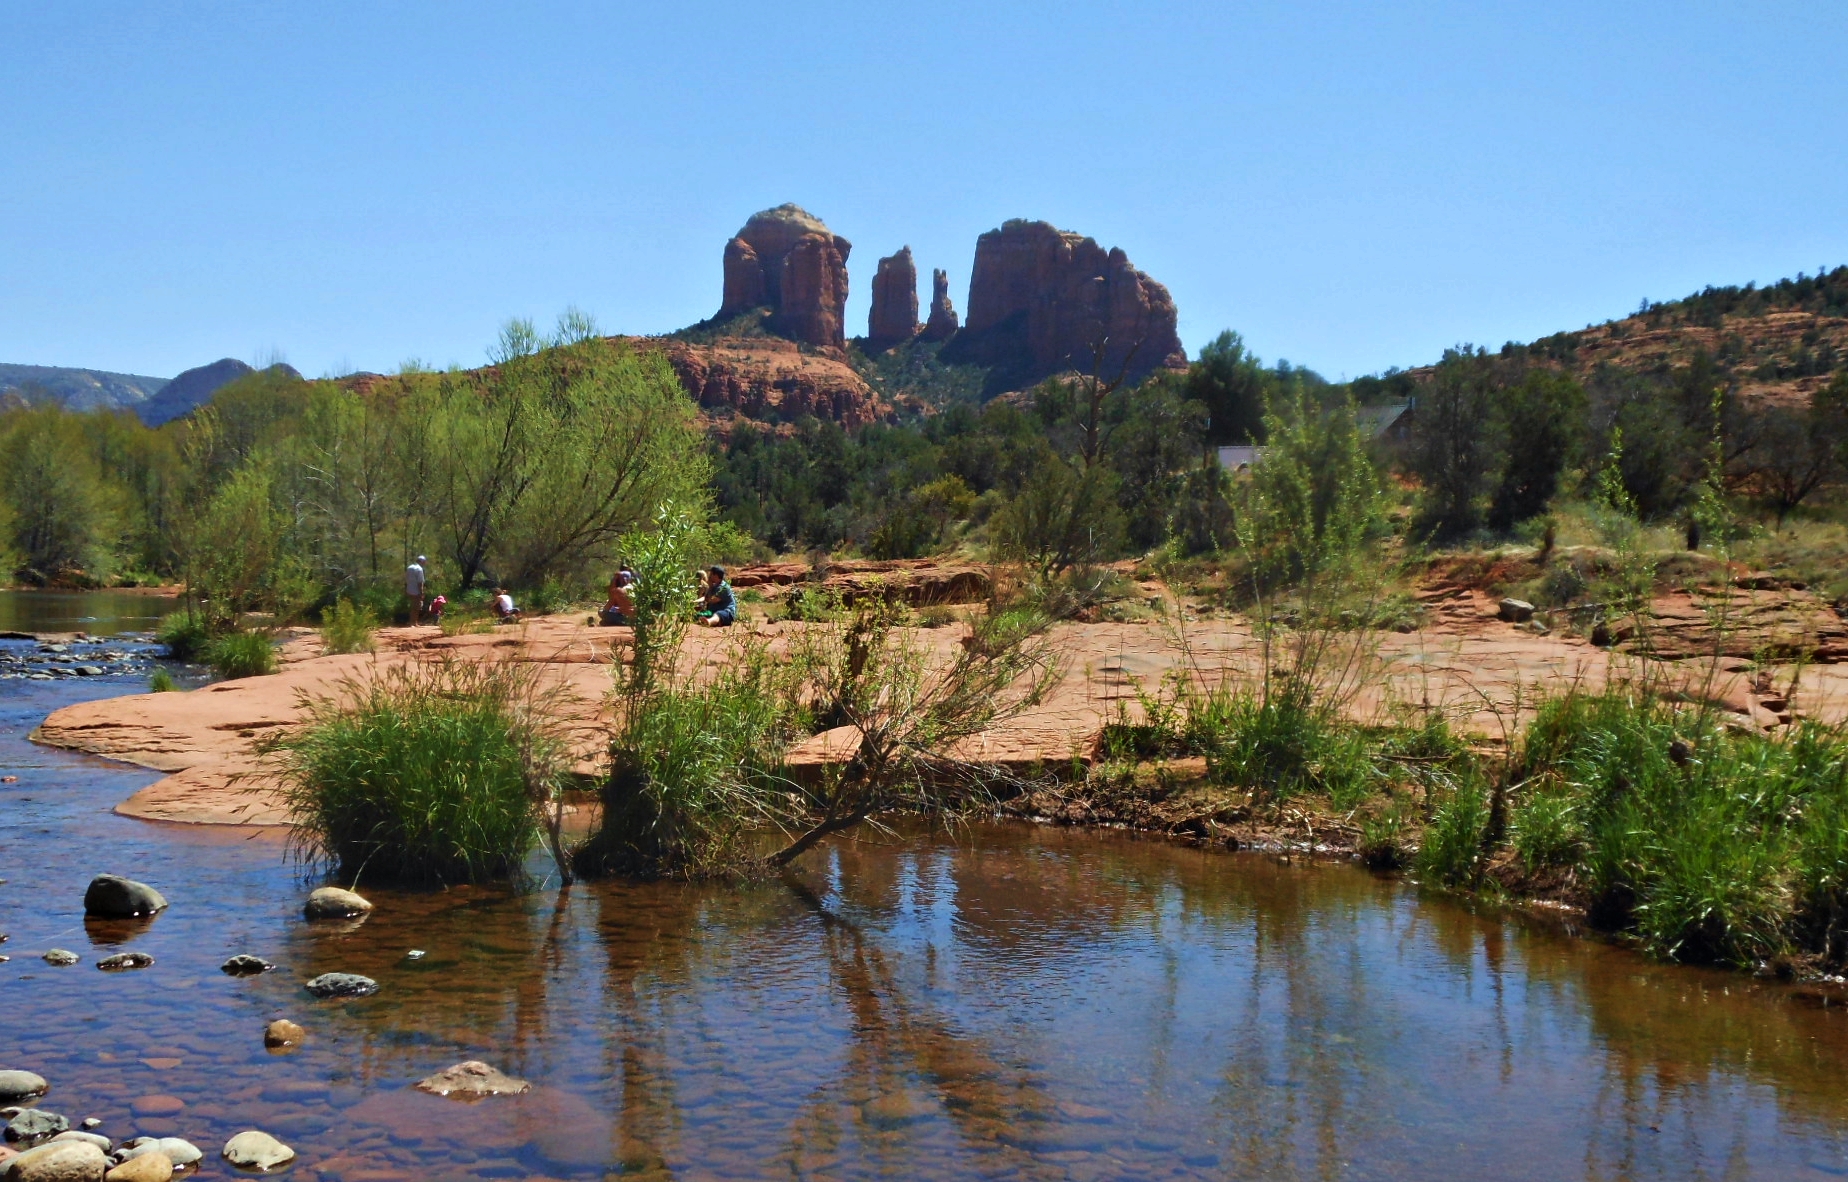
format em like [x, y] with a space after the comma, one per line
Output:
[184, 634]
[347, 628]
[161, 682]
[435, 773]
[241, 654]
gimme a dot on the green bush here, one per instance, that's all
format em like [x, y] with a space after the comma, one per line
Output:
[429, 773]
[1453, 841]
[1546, 831]
[241, 654]
[1284, 742]
[184, 634]
[161, 682]
[347, 628]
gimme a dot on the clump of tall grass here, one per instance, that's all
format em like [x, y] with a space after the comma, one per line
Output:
[430, 773]
[1707, 843]
[241, 654]
[347, 627]
[184, 634]
[161, 681]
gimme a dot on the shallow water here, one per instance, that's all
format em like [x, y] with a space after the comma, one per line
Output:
[1018, 1003]
[100, 613]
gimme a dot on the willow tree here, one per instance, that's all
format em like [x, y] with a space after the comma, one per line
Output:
[539, 464]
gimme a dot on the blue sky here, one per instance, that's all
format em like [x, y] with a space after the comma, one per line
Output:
[1351, 186]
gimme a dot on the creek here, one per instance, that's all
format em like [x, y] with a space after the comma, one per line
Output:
[1006, 1002]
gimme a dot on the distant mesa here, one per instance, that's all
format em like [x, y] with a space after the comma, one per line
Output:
[75, 389]
[894, 317]
[1044, 301]
[194, 388]
[787, 260]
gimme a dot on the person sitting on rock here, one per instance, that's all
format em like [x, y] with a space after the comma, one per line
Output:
[619, 610]
[718, 607]
[503, 606]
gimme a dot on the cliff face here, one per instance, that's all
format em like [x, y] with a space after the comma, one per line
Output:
[788, 260]
[764, 378]
[1042, 300]
[894, 317]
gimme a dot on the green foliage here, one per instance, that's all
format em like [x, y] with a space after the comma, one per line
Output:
[1543, 416]
[1457, 437]
[1453, 840]
[1314, 502]
[347, 628]
[235, 554]
[1547, 832]
[64, 518]
[1065, 516]
[663, 560]
[428, 773]
[241, 654]
[184, 633]
[1285, 740]
[161, 681]
[922, 523]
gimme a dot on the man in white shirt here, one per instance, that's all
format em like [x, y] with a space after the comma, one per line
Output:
[414, 588]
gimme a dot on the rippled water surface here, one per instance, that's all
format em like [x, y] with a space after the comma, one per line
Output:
[1019, 1003]
[100, 613]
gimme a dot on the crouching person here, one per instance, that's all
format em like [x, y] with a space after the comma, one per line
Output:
[718, 608]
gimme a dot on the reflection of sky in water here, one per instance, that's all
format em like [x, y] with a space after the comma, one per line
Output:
[1027, 1004]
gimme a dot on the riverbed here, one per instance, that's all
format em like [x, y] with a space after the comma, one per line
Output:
[1004, 1002]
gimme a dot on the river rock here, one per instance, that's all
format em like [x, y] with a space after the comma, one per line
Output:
[17, 1085]
[341, 985]
[1515, 611]
[472, 1080]
[283, 1033]
[97, 1139]
[151, 1166]
[33, 1125]
[63, 1161]
[180, 1153]
[125, 960]
[335, 903]
[113, 897]
[245, 965]
[61, 956]
[252, 1150]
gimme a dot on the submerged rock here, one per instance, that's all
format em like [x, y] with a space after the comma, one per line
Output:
[61, 1161]
[341, 985]
[125, 960]
[335, 903]
[245, 965]
[61, 956]
[472, 1080]
[283, 1033]
[180, 1153]
[33, 1125]
[17, 1085]
[111, 896]
[253, 1150]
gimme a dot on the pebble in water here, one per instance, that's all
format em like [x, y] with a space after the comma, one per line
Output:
[61, 956]
[17, 1085]
[253, 1150]
[472, 1080]
[341, 985]
[33, 1125]
[245, 965]
[283, 1033]
[334, 903]
[125, 960]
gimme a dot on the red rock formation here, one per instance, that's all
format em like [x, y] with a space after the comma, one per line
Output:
[894, 317]
[1041, 300]
[788, 260]
[764, 378]
[943, 323]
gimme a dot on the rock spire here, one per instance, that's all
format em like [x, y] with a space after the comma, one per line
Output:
[894, 318]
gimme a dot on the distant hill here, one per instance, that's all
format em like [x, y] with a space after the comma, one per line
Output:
[1777, 343]
[80, 389]
[189, 390]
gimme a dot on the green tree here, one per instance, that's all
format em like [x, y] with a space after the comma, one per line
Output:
[1457, 441]
[1233, 386]
[1314, 502]
[66, 517]
[1543, 418]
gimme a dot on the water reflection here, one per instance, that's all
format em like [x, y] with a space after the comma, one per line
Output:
[1011, 1003]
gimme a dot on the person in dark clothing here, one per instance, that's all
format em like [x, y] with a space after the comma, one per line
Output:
[718, 607]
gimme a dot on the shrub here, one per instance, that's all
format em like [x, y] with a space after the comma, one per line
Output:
[1547, 831]
[161, 682]
[184, 634]
[1452, 851]
[241, 654]
[436, 773]
[347, 628]
[1284, 741]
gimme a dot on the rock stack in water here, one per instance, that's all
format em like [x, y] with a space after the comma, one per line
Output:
[786, 259]
[894, 318]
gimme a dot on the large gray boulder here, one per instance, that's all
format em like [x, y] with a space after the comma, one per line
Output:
[34, 1125]
[17, 1085]
[335, 903]
[112, 897]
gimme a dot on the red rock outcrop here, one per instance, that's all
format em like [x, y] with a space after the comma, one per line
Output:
[765, 378]
[1042, 300]
[894, 318]
[788, 260]
[943, 322]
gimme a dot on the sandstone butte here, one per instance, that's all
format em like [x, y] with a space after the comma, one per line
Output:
[1487, 673]
[786, 259]
[893, 318]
